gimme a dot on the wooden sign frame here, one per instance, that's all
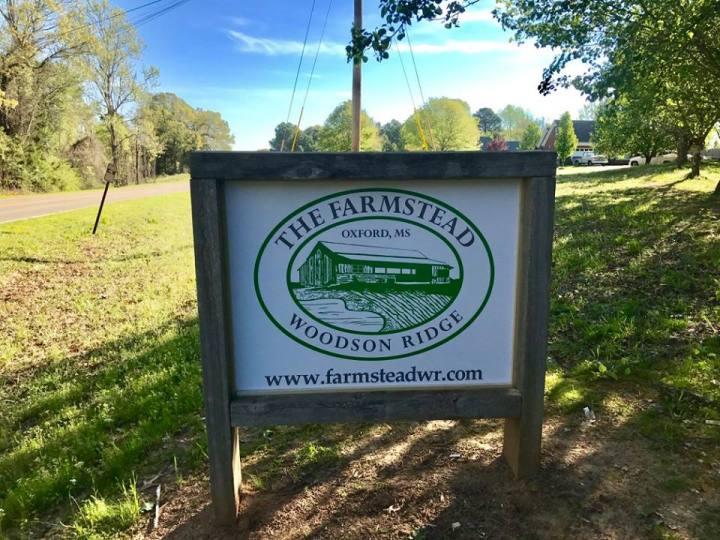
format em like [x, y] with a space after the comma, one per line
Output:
[521, 403]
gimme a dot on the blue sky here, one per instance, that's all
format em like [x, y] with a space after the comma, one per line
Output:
[240, 58]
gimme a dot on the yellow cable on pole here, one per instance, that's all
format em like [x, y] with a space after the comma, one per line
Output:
[297, 130]
[422, 95]
[421, 131]
[416, 113]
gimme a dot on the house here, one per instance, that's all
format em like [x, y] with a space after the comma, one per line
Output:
[584, 130]
[333, 263]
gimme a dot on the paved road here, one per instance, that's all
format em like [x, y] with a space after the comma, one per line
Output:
[18, 207]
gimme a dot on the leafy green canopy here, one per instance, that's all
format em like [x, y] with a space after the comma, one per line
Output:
[336, 132]
[566, 140]
[447, 125]
[488, 121]
[628, 127]
[531, 137]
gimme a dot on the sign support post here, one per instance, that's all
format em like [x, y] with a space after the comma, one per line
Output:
[524, 183]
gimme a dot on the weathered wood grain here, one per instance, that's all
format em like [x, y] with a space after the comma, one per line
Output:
[375, 406]
[215, 334]
[371, 165]
[523, 435]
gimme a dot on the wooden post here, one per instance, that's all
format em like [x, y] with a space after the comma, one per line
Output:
[523, 435]
[208, 211]
[356, 85]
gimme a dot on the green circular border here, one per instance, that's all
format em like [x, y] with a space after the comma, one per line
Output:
[373, 190]
[351, 220]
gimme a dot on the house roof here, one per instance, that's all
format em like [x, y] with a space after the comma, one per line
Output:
[361, 252]
[584, 129]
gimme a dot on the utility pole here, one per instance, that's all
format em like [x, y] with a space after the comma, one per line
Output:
[356, 106]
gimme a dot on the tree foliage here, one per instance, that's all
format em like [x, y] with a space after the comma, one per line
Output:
[515, 120]
[488, 121]
[632, 127]
[391, 134]
[531, 137]
[336, 132]
[447, 123]
[566, 140]
[665, 49]
[285, 133]
[73, 97]
[181, 129]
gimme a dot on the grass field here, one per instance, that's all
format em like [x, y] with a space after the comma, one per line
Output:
[101, 399]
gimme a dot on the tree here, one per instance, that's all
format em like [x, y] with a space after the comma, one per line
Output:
[181, 129]
[41, 106]
[590, 110]
[632, 127]
[447, 125]
[113, 57]
[392, 137]
[285, 133]
[675, 58]
[514, 121]
[531, 137]
[566, 141]
[213, 130]
[336, 132]
[498, 144]
[488, 121]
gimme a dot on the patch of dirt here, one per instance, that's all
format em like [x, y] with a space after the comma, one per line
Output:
[438, 480]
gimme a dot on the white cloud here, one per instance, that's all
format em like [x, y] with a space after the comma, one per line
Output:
[466, 46]
[272, 47]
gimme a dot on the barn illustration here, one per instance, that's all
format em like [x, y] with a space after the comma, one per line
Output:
[334, 263]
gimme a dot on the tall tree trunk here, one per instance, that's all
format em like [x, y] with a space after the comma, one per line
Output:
[683, 145]
[696, 160]
[114, 150]
[696, 147]
[716, 193]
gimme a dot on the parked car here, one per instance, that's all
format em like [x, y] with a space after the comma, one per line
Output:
[657, 160]
[588, 157]
[581, 157]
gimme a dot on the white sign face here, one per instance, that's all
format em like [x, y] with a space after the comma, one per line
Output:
[343, 286]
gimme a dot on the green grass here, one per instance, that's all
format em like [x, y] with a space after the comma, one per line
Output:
[636, 295]
[99, 365]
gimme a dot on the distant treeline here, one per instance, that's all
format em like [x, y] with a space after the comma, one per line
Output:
[440, 124]
[76, 102]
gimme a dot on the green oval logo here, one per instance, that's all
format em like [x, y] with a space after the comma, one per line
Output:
[374, 274]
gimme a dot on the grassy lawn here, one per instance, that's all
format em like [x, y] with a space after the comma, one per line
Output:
[100, 390]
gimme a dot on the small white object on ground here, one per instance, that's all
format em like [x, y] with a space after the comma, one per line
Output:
[455, 526]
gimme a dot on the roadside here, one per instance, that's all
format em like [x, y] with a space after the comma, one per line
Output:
[14, 208]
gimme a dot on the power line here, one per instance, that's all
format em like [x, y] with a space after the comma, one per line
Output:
[152, 16]
[416, 114]
[119, 13]
[312, 72]
[422, 95]
[297, 73]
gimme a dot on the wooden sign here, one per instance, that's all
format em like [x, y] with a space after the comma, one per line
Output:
[371, 287]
